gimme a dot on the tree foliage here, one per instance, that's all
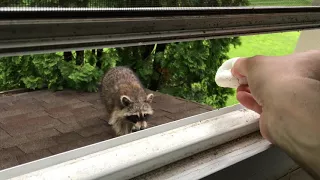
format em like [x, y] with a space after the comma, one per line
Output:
[52, 71]
[184, 69]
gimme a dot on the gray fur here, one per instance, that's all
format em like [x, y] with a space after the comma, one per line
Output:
[123, 95]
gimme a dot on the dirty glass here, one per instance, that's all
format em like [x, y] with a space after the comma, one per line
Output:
[150, 3]
[64, 110]
[70, 115]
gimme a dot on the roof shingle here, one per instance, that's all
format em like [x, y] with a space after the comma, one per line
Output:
[38, 124]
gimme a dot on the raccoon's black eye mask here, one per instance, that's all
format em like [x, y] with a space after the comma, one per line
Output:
[135, 118]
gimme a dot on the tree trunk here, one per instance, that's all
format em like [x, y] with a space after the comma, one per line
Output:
[83, 3]
[63, 3]
[99, 56]
[156, 75]
[147, 52]
[68, 56]
[80, 57]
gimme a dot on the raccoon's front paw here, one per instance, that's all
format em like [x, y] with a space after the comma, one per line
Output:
[111, 122]
[139, 126]
[135, 129]
[144, 125]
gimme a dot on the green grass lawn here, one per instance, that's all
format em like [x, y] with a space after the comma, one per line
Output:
[280, 2]
[267, 44]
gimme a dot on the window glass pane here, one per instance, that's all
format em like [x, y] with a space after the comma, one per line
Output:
[150, 3]
[41, 123]
[181, 76]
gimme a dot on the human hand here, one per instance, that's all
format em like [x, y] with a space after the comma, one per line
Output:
[285, 91]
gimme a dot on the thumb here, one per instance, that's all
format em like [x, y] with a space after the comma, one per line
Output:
[240, 68]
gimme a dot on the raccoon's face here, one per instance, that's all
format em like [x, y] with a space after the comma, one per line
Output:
[137, 111]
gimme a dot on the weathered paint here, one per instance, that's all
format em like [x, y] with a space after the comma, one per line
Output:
[140, 156]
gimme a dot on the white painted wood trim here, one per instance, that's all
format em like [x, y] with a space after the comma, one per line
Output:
[210, 161]
[139, 153]
[309, 39]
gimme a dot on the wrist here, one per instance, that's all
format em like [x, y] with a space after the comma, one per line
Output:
[296, 127]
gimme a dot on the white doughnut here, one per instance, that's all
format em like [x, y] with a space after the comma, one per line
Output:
[224, 77]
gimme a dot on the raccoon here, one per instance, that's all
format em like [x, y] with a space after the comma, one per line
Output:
[127, 104]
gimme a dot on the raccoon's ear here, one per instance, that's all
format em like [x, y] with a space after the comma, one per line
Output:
[149, 98]
[125, 100]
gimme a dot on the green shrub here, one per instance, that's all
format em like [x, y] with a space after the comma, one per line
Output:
[50, 70]
[184, 69]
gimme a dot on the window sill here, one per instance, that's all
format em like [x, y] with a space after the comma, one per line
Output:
[139, 153]
[209, 162]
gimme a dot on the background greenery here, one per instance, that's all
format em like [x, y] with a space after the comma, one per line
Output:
[280, 2]
[266, 44]
[184, 69]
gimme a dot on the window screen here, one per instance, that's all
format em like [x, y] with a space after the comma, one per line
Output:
[150, 3]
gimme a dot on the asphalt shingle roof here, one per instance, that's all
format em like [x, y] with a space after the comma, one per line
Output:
[39, 124]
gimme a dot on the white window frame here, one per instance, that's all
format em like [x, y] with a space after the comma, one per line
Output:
[168, 145]
[132, 155]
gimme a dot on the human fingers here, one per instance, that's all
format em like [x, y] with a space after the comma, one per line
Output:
[245, 97]
[240, 68]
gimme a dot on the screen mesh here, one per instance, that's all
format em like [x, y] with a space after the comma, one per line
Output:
[150, 3]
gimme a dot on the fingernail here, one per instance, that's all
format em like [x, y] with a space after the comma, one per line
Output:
[236, 74]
